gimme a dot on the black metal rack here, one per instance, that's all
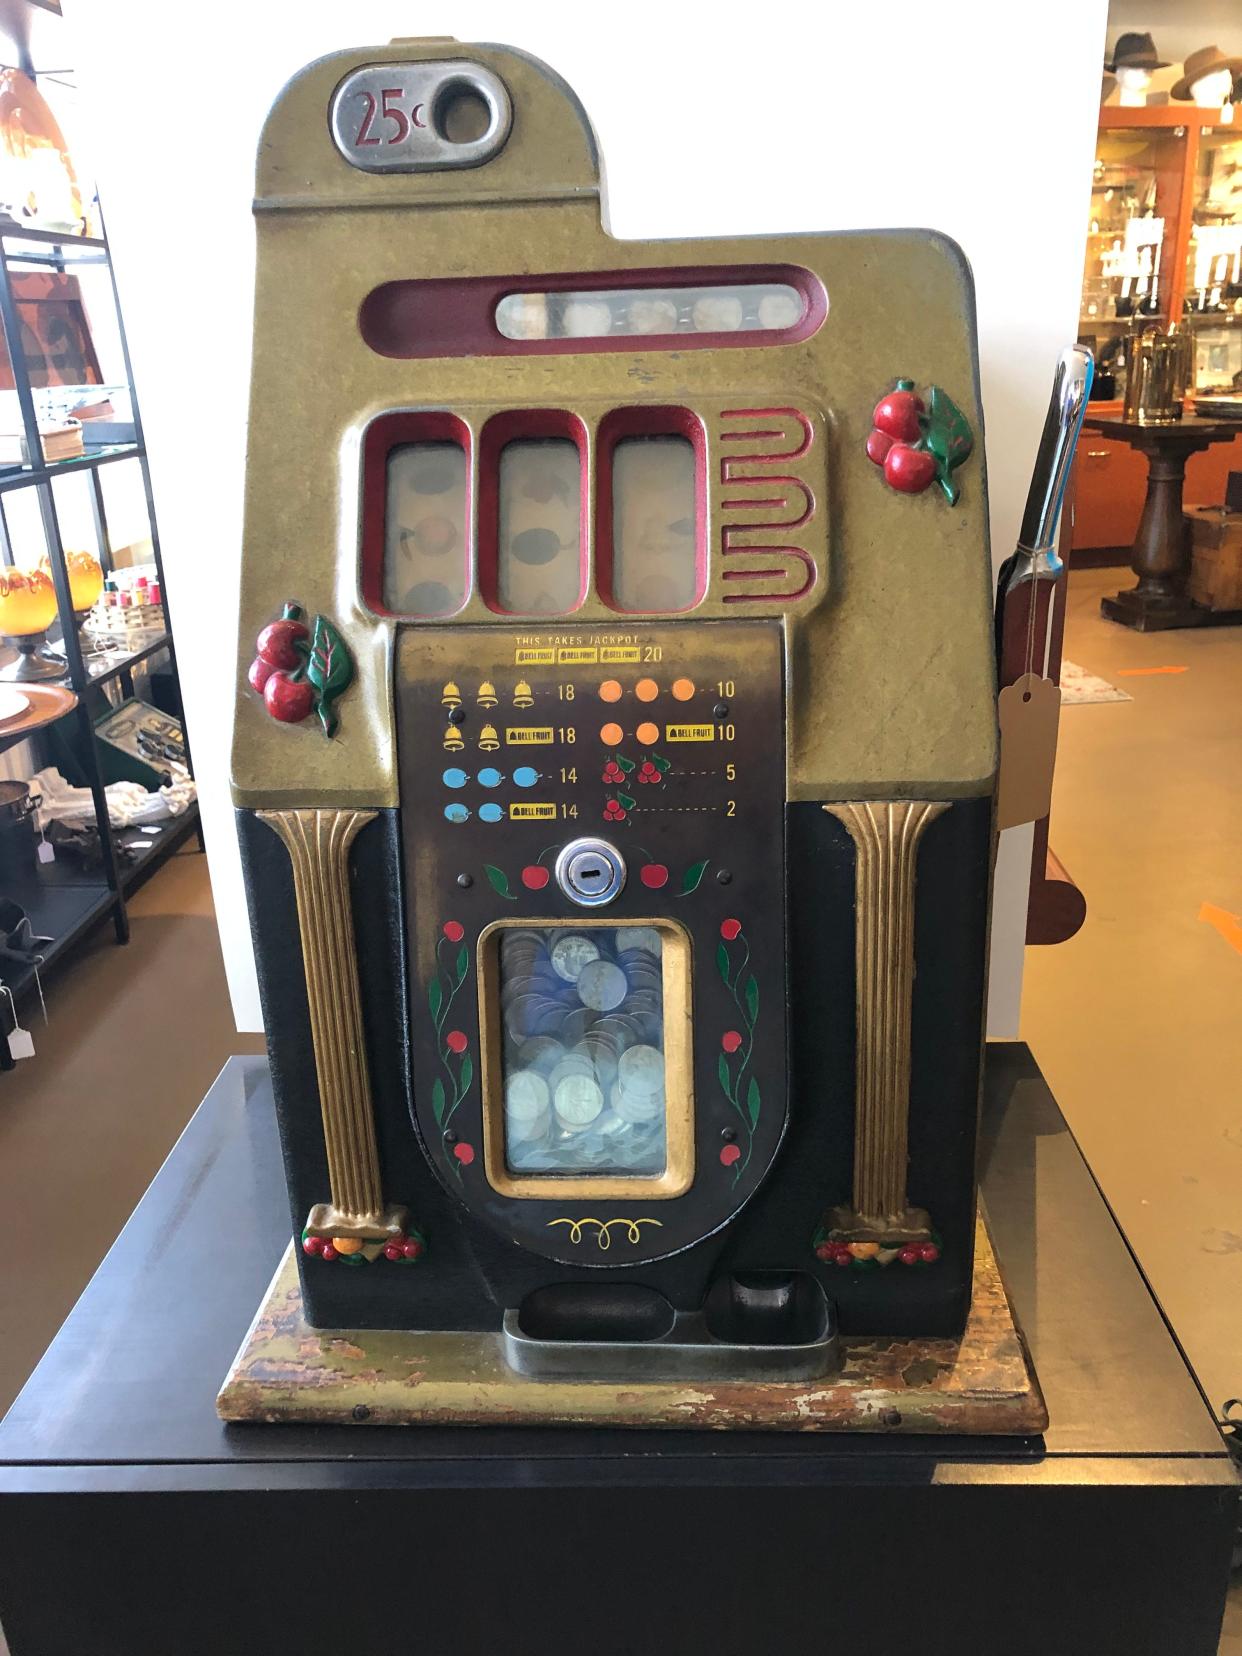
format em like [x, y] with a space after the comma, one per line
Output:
[62, 902]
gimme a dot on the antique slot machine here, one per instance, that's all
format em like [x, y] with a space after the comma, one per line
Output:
[614, 766]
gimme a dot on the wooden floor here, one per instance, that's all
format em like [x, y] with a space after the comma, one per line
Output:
[1137, 1022]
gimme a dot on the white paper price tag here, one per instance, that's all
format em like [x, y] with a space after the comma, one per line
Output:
[21, 1043]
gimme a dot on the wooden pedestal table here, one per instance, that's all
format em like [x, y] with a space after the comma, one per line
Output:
[1159, 556]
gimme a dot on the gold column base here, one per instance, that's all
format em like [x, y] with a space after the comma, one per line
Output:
[890, 1230]
[325, 1220]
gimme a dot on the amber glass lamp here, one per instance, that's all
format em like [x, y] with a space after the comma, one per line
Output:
[27, 610]
[86, 581]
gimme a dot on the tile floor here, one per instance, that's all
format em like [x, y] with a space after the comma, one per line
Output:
[1145, 814]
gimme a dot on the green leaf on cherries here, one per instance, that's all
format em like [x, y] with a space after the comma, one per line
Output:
[627, 765]
[948, 438]
[467, 1077]
[499, 881]
[691, 878]
[752, 1103]
[330, 668]
[463, 966]
[435, 999]
[625, 802]
[438, 1100]
[661, 763]
[722, 962]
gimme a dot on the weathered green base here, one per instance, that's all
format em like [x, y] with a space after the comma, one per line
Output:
[286, 1371]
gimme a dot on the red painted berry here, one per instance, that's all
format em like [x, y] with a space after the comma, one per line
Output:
[453, 931]
[455, 1041]
[653, 875]
[312, 1244]
[277, 643]
[327, 1251]
[843, 1256]
[929, 1253]
[258, 673]
[288, 699]
[878, 445]
[730, 1040]
[464, 1153]
[535, 878]
[729, 929]
[908, 469]
[413, 1248]
[393, 1251]
[729, 1154]
[897, 415]
[909, 1256]
[824, 1251]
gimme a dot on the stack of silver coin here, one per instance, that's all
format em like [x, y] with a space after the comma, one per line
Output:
[583, 1059]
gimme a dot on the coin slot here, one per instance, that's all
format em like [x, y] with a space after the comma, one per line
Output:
[462, 113]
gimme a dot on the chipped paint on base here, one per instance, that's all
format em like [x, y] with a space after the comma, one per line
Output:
[287, 1372]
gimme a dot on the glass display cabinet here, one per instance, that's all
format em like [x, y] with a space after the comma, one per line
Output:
[1163, 245]
[1212, 302]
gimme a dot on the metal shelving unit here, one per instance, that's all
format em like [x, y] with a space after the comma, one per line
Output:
[62, 902]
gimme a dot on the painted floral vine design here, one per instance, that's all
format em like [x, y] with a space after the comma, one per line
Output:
[535, 876]
[448, 1091]
[737, 1082]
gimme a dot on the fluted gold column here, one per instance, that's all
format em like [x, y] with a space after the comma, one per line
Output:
[886, 838]
[318, 843]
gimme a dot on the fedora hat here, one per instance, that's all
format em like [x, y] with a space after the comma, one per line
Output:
[1206, 61]
[1135, 51]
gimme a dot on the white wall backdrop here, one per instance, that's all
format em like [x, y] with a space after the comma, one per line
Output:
[977, 119]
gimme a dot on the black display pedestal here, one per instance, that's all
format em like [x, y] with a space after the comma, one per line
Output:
[132, 1523]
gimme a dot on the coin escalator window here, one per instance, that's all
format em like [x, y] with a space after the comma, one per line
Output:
[583, 1050]
[425, 538]
[655, 562]
[539, 543]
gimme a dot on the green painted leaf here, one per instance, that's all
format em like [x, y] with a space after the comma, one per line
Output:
[751, 993]
[330, 669]
[693, 875]
[627, 765]
[500, 881]
[463, 966]
[438, 1100]
[949, 438]
[661, 763]
[626, 802]
[752, 1103]
[466, 1078]
[435, 999]
[726, 1080]
[722, 961]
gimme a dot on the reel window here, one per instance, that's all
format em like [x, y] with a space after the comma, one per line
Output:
[586, 1079]
[532, 512]
[426, 539]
